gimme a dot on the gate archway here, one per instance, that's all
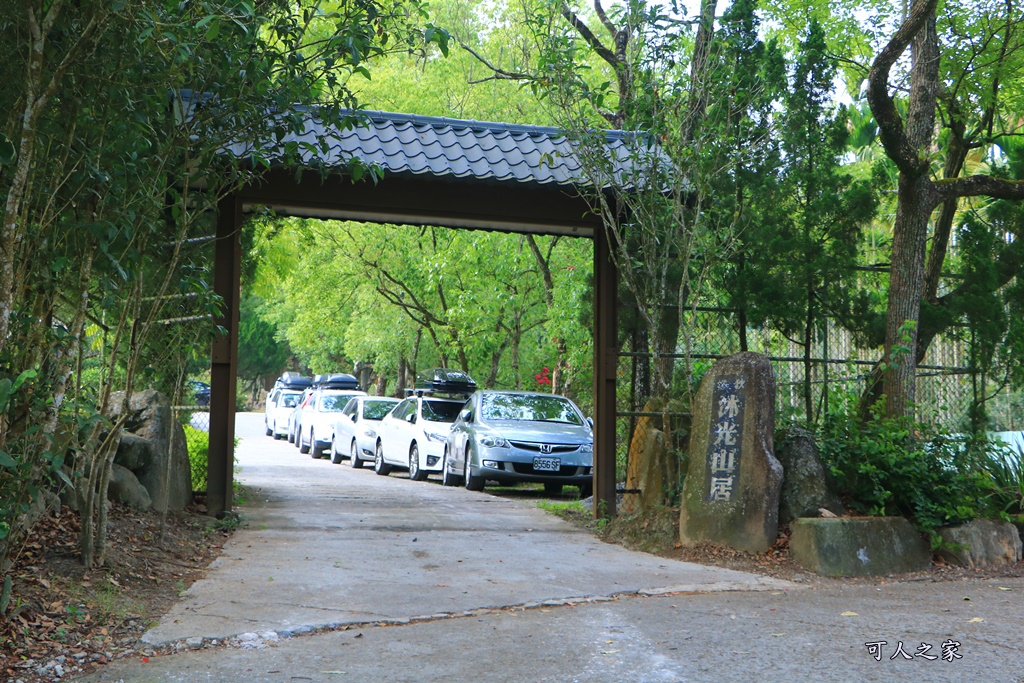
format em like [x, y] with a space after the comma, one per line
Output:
[432, 171]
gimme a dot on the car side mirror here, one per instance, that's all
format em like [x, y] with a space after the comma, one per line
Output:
[590, 421]
[411, 419]
[466, 415]
[355, 417]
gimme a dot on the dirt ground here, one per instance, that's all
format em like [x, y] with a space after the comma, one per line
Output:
[64, 621]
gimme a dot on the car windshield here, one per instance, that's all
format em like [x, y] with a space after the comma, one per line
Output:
[441, 411]
[289, 400]
[528, 407]
[376, 410]
[333, 404]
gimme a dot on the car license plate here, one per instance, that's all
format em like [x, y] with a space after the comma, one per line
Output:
[547, 464]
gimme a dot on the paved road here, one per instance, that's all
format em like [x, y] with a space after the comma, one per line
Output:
[342, 575]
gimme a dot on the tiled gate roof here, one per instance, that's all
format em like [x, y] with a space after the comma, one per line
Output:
[444, 147]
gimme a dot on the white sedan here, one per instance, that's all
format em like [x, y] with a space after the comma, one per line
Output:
[355, 430]
[316, 420]
[280, 405]
[413, 435]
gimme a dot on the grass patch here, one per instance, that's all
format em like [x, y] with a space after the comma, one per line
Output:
[560, 506]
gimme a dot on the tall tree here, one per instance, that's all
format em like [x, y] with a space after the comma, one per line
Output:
[910, 142]
[96, 228]
[803, 232]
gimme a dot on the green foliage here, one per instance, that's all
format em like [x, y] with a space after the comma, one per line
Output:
[893, 466]
[385, 295]
[22, 478]
[1005, 468]
[198, 442]
[7, 151]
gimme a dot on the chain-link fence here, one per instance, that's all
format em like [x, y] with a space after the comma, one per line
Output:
[832, 370]
[196, 422]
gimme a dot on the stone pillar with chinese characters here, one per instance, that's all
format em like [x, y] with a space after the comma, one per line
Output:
[732, 486]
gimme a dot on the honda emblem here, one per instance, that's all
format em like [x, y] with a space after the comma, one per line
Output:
[545, 448]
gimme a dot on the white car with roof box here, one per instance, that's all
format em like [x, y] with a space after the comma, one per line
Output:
[282, 401]
[314, 420]
[413, 435]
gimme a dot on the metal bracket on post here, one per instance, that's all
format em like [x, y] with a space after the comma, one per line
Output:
[227, 273]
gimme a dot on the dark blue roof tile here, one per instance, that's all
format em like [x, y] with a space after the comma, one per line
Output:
[406, 143]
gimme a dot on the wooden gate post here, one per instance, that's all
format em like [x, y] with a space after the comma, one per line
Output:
[227, 273]
[605, 371]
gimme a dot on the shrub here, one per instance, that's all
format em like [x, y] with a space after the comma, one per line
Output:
[894, 466]
[198, 451]
[198, 441]
[1005, 467]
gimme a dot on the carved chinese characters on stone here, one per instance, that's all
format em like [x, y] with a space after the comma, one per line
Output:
[731, 490]
[726, 438]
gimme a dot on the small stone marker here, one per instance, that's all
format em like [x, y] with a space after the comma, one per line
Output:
[732, 486]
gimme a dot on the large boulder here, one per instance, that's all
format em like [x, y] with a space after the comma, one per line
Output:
[804, 491]
[125, 488]
[646, 474]
[858, 546]
[981, 543]
[154, 450]
[733, 482]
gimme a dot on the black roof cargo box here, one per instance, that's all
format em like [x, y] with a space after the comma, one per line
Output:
[336, 380]
[293, 380]
[442, 381]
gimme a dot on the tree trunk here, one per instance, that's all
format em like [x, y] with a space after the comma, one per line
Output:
[909, 147]
[400, 386]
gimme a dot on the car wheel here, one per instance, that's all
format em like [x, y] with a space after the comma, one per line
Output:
[270, 432]
[379, 466]
[354, 458]
[447, 478]
[291, 436]
[313, 448]
[552, 489]
[415, 473]
[303, 447]
[336, 456]
[473, 482]
[586, 490]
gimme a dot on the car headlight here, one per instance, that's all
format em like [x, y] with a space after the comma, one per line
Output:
[587, 448]
[434, 436]
[370, 433]
[490, 441]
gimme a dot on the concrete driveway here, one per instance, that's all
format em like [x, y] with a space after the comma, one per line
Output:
[342, 575]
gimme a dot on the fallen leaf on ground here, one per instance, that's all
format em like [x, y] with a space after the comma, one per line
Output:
[850, 614]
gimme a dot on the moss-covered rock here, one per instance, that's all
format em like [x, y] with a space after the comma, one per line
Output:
[858, 546]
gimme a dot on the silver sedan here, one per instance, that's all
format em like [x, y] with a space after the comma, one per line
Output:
[515, 436]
